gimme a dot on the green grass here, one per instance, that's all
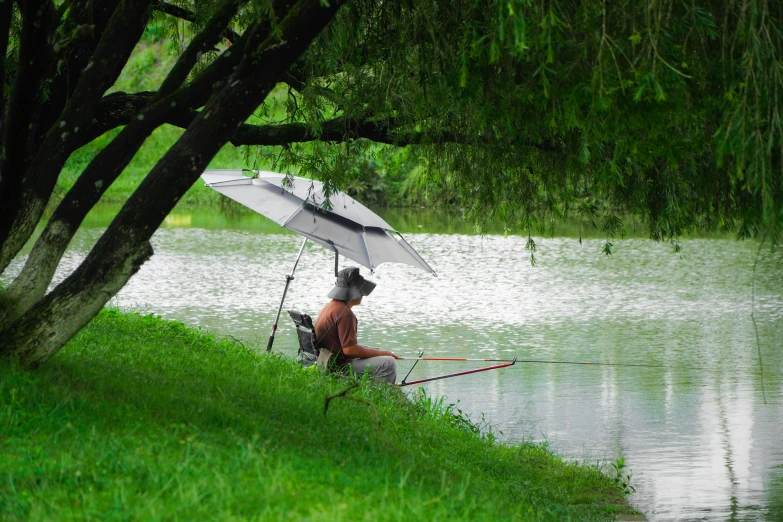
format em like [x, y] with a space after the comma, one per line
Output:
[143, 419]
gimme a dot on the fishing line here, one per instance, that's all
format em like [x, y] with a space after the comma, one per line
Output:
[753, 315]
[543, 361]
[583, 363]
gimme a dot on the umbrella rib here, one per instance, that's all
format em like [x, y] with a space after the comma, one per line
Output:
[237, 181]
[415, 254]
[293, 214]
[367, 250]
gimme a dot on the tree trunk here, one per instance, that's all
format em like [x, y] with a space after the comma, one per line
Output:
[40, 175]
[46, 327]
[80, 34]
[5, 27]
[31, 284]
[36, 336]
[26, 97]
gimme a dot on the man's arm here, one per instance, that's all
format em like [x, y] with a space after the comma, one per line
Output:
[359, 351]
[346, 328]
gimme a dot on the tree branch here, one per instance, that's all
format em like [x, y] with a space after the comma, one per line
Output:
[120, 108]
[204, 41]
[340, 129]
[189, 16]
[337, 129]
[344, 395]
[296, 78]
[79, 35]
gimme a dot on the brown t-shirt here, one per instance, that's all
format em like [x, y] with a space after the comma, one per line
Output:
[335, 328]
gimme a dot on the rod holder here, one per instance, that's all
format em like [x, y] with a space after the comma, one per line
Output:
[411, 370]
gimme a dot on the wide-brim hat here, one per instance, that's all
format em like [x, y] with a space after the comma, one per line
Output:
[350, 285]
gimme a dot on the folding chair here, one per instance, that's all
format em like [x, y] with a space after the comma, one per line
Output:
[309, 354]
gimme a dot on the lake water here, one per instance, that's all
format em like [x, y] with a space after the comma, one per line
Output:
[702, 436]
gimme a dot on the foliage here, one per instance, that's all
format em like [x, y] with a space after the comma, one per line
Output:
[390, 177]
[526, 112]
[558, 110]
[622, 476]
[536, 110]
[141, 418]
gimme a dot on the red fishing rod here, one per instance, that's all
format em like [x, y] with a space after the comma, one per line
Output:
[477, 370]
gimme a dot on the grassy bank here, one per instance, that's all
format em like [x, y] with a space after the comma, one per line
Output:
[140, 418]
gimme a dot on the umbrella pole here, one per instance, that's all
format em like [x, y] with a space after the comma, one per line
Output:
[288, 280]
[336, 255]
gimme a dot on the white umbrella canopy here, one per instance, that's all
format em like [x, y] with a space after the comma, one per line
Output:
[338, 222]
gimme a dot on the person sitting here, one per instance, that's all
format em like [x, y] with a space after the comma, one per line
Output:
[336, 329]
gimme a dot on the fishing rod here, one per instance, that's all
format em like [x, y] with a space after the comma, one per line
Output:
[477, 370]
[543, 361]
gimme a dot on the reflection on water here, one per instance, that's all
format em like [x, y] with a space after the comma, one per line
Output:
[700, 440]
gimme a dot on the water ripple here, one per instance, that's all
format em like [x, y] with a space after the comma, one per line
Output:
[700, 440]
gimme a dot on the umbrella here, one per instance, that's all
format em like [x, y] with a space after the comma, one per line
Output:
[337, 222]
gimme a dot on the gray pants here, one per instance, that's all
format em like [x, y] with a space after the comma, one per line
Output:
[382, 368]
